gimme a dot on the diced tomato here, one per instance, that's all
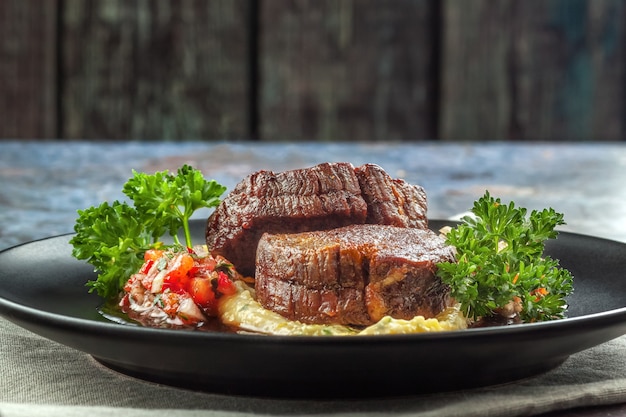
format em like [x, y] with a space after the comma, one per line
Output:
[224, 284]
[203, 266]
[146, 266]
[201, 291]
[208, 263]
[178, 277]
[181, 265]
[152, 254]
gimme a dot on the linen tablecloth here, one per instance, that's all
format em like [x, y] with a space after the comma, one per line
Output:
[40, 377]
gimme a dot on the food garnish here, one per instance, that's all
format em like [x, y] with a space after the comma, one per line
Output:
[114, 237]
[496, 265]
[178, 287]
[500, 267]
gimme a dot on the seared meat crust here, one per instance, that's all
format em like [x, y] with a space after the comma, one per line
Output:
[352, 275]
[326, 196]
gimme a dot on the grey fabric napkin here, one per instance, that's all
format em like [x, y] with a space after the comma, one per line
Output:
[41, 377]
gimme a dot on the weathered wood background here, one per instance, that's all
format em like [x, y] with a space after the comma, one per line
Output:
[282, 70]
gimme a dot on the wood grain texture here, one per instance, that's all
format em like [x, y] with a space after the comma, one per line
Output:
[549, 70]
[159, 70]
[294, 70]
[346, 70]
[28, 69]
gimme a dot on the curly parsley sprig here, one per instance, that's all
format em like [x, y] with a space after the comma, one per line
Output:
[500, 261]
[166, 202]
[113, 237]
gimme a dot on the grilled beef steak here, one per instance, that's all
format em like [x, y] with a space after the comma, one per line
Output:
[352, 275]
[391, 201]
[322, 197]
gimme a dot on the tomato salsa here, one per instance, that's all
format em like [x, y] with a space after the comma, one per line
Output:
[178, 287]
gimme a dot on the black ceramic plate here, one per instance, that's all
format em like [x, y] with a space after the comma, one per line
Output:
[42, 289]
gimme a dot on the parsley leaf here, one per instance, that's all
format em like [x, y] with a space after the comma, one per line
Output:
[500, 261]
[113, 237]
[167, 201]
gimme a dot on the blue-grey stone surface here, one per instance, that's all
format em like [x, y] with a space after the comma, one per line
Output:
[44, 183]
